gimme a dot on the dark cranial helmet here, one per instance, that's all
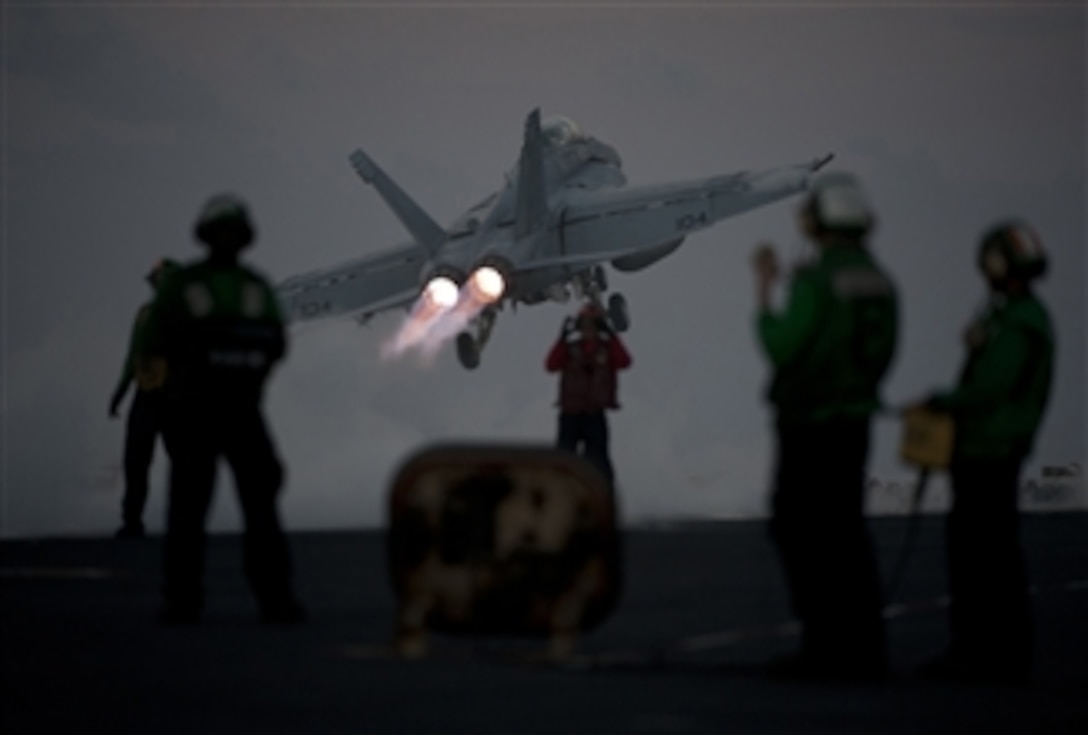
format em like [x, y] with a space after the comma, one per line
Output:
[224, 223]
[1012, 250]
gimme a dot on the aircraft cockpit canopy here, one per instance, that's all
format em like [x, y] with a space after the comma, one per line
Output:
[559, 130]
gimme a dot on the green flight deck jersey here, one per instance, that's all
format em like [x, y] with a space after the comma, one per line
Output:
[833, 343]
[1004, 386]
[131, 368]
[219, 328]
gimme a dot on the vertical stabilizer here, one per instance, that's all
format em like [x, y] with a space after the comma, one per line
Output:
[531, 209]
[425, 230]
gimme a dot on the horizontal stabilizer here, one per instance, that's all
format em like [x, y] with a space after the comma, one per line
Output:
[423, 229]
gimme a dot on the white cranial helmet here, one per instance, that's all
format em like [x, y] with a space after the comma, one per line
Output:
[836, 202]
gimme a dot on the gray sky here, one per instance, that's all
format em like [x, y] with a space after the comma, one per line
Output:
[121, 120]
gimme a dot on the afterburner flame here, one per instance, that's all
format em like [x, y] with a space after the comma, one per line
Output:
[442, 292]
[429, 326]
[488, 284]
[413, 329]
[451, 323]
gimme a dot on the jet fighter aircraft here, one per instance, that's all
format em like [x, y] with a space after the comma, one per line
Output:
[563, 212]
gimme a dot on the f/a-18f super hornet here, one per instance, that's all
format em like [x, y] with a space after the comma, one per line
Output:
[564, 211]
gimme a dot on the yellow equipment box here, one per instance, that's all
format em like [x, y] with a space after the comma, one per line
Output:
[928, 438]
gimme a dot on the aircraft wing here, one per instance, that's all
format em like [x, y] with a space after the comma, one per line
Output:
[362, 286]
[637, 225]
[718, 197]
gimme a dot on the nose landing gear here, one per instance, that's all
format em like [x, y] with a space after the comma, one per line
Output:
[592, 285]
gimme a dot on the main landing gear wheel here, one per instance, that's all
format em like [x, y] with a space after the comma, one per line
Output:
[468, 352]
[617, 312]
[600, 279]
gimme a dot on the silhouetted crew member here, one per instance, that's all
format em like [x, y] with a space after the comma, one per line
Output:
[144, 423]
[830, 349]
[997, 407]
[587, 356]
[218, 325]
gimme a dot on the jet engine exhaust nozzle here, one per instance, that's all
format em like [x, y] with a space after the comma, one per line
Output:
[488, 284]
[442, 292]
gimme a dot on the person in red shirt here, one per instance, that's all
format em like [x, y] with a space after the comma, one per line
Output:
[587, 356]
